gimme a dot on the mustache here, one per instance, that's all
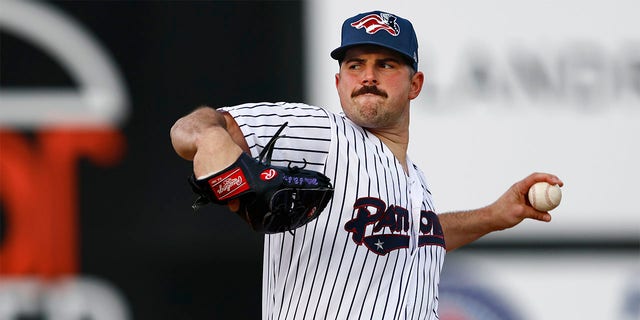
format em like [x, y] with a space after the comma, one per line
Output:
[369, 89]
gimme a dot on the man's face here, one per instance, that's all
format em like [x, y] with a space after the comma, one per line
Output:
[375, 86]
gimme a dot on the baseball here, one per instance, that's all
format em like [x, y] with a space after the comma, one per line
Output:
[544, 196]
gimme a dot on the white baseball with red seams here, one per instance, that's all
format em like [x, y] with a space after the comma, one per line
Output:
[544, 196]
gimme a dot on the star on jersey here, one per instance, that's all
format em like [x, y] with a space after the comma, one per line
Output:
[379, 245]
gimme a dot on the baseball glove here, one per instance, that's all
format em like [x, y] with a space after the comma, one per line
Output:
[272, 199]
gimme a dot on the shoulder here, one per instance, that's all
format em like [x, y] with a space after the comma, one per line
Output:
[279, 109]
[265, 117]
[308, 127]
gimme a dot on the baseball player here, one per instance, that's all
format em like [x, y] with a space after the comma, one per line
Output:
[376, 249]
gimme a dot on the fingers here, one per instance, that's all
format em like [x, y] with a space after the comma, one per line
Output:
[234, 205]
[540, 177]
[520, 198]
[540, 216]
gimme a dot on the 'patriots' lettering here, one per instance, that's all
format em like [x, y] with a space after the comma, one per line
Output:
[374, 211]
[364, 217]
[431, 229]
[395, 218]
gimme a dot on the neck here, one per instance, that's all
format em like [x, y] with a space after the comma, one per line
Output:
[398, 143]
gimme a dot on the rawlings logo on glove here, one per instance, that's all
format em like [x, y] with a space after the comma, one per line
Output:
[229, 186]
[272, 199]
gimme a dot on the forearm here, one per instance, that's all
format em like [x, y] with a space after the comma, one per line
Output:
[463, 227]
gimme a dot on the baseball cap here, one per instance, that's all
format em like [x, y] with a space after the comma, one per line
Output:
[382, 29]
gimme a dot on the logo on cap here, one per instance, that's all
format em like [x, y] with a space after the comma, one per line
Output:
[373, 23]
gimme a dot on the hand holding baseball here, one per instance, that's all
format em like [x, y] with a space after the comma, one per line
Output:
[544, 196]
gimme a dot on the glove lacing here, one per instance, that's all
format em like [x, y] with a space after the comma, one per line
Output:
[265, 158]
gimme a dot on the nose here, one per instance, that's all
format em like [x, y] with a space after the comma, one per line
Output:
[369, 76]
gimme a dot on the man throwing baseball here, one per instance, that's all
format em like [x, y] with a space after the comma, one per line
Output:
[370, 244]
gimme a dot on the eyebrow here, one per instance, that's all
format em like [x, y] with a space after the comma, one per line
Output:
[389, 59]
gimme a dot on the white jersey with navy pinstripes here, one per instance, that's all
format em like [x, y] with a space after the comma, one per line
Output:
[377, 249]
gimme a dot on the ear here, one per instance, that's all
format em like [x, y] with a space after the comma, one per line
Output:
[416, 85]
[337, 79]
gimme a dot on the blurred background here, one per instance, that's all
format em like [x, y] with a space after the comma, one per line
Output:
[95, 216]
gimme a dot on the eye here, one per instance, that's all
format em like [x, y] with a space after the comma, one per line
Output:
[386, 65]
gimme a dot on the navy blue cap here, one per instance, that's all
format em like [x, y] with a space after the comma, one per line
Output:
[382, 29]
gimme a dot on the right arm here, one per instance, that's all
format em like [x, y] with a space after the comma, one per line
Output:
[209, 138]
[463, 227]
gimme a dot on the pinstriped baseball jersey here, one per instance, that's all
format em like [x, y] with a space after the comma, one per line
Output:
[375, 252]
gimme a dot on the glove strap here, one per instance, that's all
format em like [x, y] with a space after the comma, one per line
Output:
[229, 183]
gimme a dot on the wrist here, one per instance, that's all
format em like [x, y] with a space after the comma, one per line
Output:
[216, 151]
[486, 220]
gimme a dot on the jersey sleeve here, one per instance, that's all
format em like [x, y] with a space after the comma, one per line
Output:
[305, 140]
